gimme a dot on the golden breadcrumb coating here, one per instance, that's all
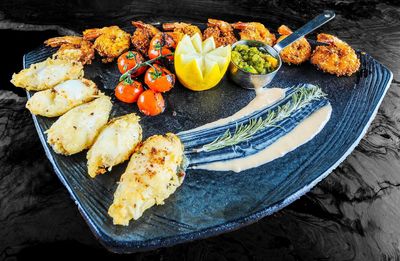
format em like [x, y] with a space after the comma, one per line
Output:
[151, 177]
[115, 144]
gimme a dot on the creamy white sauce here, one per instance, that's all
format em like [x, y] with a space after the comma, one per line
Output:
[264, 98]
[302, 133]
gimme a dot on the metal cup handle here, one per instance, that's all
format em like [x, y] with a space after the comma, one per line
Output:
[315, 23]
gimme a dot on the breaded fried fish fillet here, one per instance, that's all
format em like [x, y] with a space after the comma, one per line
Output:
[115, 143]
[152, 176]
[77, 129]
[62, 98]
[47, 74]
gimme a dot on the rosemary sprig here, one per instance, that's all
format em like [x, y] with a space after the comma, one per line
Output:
[243, 132]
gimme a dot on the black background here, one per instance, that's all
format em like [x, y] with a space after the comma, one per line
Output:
[351, 215]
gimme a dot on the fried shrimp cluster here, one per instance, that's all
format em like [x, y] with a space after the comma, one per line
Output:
[221, 31]
[296, 53]
[336, 58]
[180, 29]
[142, 36]
[110, 41]
[72, 48]
[255, 31]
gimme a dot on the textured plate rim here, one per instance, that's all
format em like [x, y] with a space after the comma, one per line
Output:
[145, 245]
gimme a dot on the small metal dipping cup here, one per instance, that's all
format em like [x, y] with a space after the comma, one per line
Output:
[256, 81]
[251, 80]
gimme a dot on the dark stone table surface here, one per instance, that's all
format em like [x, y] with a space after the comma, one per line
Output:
[353, 214]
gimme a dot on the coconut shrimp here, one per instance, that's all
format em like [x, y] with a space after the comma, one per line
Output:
[254, 31]
[221, 31]
[180, 29]
[336, 58]
[142, 36]
[72, 48]
[110, 41]
[296, 53]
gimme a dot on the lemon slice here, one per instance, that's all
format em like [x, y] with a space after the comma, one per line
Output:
[199, 65]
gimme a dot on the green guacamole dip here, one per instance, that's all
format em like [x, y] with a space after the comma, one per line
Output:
[252, 60]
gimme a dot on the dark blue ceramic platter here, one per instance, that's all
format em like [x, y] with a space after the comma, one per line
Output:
[210, 203]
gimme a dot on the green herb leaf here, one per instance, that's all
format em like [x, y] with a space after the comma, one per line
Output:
[156, 74]
[131, 55]
[128, 80]
[158, 46]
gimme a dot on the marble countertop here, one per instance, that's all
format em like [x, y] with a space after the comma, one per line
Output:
[353, 214]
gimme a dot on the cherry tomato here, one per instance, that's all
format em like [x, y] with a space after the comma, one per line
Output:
[159, 79]
[151, 103]
[161, 44]
[128, 92]
[128, 60]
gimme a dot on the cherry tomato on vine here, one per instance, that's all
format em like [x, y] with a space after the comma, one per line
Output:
[151, 103]
[161, 44]
[159, 79]
[128, 92]
[128, 60]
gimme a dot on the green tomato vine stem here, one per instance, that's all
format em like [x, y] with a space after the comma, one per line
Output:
[127, 75]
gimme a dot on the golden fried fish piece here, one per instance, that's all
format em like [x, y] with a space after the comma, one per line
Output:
[77, 129]
[115, 144]
[47, 74]
[152, 175]
[336, 58]
[65, 96]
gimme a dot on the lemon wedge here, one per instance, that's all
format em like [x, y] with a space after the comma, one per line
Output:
[199, 65]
